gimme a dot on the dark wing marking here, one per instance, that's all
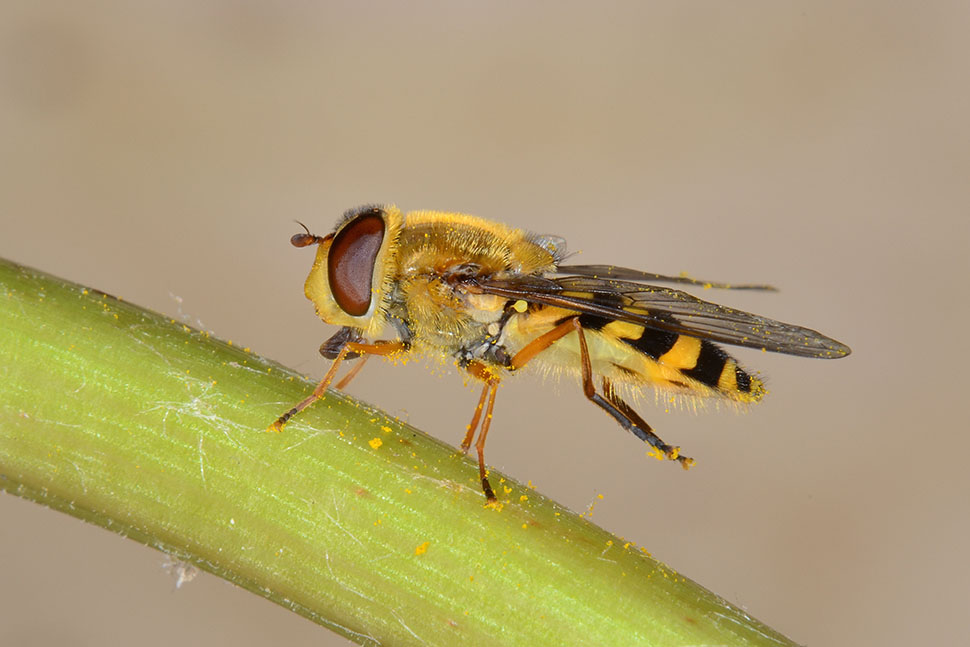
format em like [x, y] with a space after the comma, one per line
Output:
[626, 274]
[664, 309]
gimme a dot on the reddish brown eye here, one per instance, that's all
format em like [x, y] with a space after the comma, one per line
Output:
[350, 263]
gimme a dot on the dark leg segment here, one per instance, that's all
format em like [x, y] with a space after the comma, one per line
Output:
[631, 421]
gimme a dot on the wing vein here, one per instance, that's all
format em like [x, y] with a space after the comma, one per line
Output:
[664, 309]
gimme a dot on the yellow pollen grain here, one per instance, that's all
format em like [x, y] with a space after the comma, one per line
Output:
[375, 443]
[422, 548]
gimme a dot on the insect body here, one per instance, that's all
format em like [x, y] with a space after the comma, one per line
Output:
[496, 299]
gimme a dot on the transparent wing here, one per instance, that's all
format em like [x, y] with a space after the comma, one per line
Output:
[626, 274]
[664, 309]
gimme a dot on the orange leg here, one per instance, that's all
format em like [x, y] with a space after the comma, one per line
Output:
[473, 425]
[546, 340]
[482, 372]
[377, 348]
[352, 373]
[480, 445]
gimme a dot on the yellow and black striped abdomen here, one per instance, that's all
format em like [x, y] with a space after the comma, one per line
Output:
[677, 361]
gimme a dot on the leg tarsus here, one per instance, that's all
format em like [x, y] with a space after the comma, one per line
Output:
[487, 489]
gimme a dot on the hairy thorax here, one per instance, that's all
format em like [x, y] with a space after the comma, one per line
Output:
[436, 256]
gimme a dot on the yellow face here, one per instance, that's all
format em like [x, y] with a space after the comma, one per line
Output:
[350, 278]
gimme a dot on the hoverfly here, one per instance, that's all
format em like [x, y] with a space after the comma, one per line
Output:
[495, 299]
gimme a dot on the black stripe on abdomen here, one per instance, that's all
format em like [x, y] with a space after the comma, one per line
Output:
[654, 343]
[710, 365]
[593, 322]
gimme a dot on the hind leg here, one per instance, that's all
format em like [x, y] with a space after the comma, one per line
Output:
[610, 402]
[631, 421]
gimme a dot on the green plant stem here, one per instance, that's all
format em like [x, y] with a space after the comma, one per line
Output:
[152, 429]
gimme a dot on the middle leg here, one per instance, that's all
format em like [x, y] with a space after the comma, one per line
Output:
[489, 389]
[631, 421]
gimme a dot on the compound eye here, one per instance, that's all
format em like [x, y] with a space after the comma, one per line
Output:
[350, 262]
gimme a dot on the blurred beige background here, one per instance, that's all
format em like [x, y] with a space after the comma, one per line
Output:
[161, 151]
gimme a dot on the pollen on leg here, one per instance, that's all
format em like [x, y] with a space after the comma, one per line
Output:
[280, 422]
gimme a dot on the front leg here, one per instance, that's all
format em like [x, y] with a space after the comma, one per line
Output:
[383, 348]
